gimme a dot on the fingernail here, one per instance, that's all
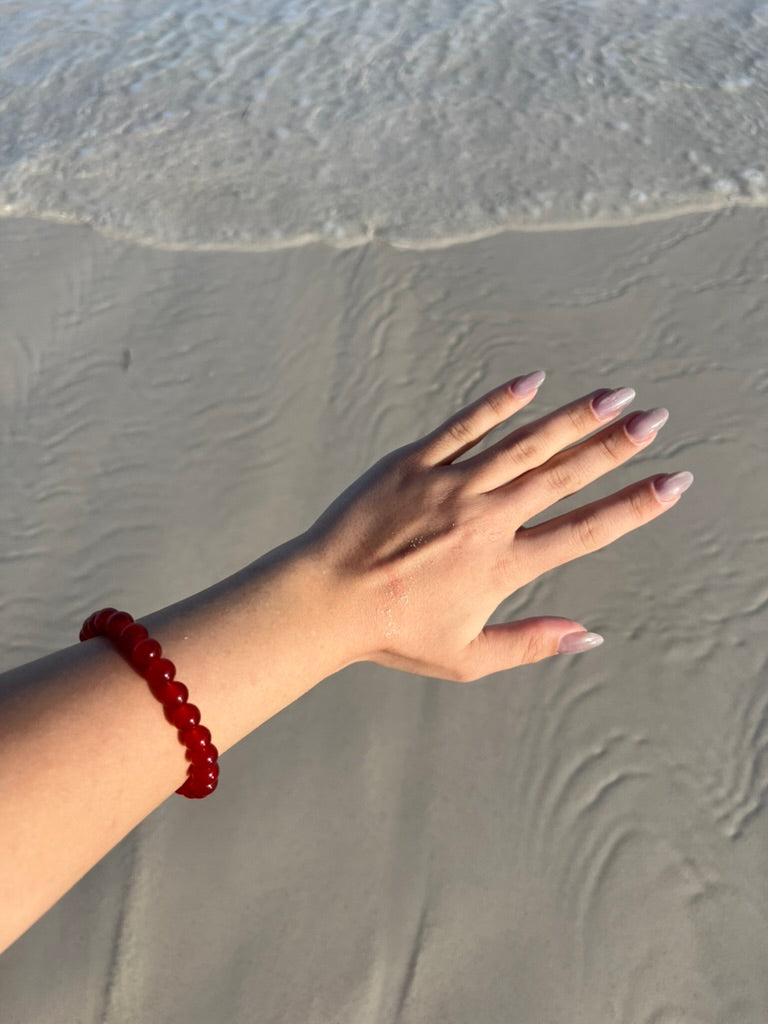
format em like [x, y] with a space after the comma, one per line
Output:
[670, 485]
[575, 643]
[640, 426]
[609, 402]
[522, 386]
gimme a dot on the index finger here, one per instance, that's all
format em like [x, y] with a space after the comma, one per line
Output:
[470, 425]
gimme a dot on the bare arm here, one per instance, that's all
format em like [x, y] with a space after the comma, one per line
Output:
[403, 569]
[85, 750]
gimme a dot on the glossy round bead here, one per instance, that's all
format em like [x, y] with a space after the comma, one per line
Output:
[195, 738]
[209, 774]
[88, 630]
[171, 694]
[201, 789]
[159, 671]
[117, 622]
[146, 657]
[145, 652]
[190, 787]
[183, 716]
[100, 619]
[187, 789]
[204, 756]
[130, 636]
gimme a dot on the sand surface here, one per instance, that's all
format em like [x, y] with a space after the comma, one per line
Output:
[581, 840]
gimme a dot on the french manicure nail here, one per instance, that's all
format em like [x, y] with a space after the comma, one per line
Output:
[670, 485]
[640, 426]
[575, 643]
[609, 403]
[522, 386]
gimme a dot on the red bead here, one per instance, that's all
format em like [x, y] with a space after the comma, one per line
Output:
[187, 788]
[88, 625]
[196, 738]
[146, 656]
[145, 652]
[159, 671]
[131, 635]
[209, 774]
[116, 622]
[88, 628]
[203, 756]
[183, 716]
[201, 789]
[100, 619]
[171, 694]
[192, 788]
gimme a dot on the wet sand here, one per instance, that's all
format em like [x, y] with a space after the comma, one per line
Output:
[578, 840]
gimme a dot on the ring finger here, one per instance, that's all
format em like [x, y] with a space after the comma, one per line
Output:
[571, 470]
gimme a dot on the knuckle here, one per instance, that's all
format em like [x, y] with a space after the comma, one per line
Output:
[398, 469]
[532, 650]
[411, 459]
[589, 531]
[523, 450]
[560, 478]
[577, 420]
[609, 446]
[638, 503]
[460, 431]
[454, 486]
[499, 404]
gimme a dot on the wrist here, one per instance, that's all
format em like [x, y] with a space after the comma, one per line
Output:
[296, 585]
[254, 642]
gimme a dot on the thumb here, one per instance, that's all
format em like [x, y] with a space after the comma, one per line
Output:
[512, 644]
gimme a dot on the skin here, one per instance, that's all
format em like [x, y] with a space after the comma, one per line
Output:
[430, 546]
[403, 569]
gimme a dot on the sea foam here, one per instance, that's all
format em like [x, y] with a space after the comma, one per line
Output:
[265, 124]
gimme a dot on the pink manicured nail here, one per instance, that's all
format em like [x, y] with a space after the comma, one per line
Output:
[609, 403]
[575, 643]
[522, 386]
[640, 426]
[670, 485]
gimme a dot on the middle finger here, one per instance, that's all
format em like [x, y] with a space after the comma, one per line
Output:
[534, 444]
[571, 470]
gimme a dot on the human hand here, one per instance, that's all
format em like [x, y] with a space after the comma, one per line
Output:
[422, 548]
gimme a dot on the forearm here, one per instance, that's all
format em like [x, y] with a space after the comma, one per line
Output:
[85, 750]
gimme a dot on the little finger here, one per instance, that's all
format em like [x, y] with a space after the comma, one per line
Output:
[540, 548]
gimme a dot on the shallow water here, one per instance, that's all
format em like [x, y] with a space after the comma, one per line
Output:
[265, 124]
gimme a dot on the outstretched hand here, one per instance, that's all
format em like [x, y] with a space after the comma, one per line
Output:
[424, 548]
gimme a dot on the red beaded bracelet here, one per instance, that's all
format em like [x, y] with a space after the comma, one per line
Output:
[146, 656]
